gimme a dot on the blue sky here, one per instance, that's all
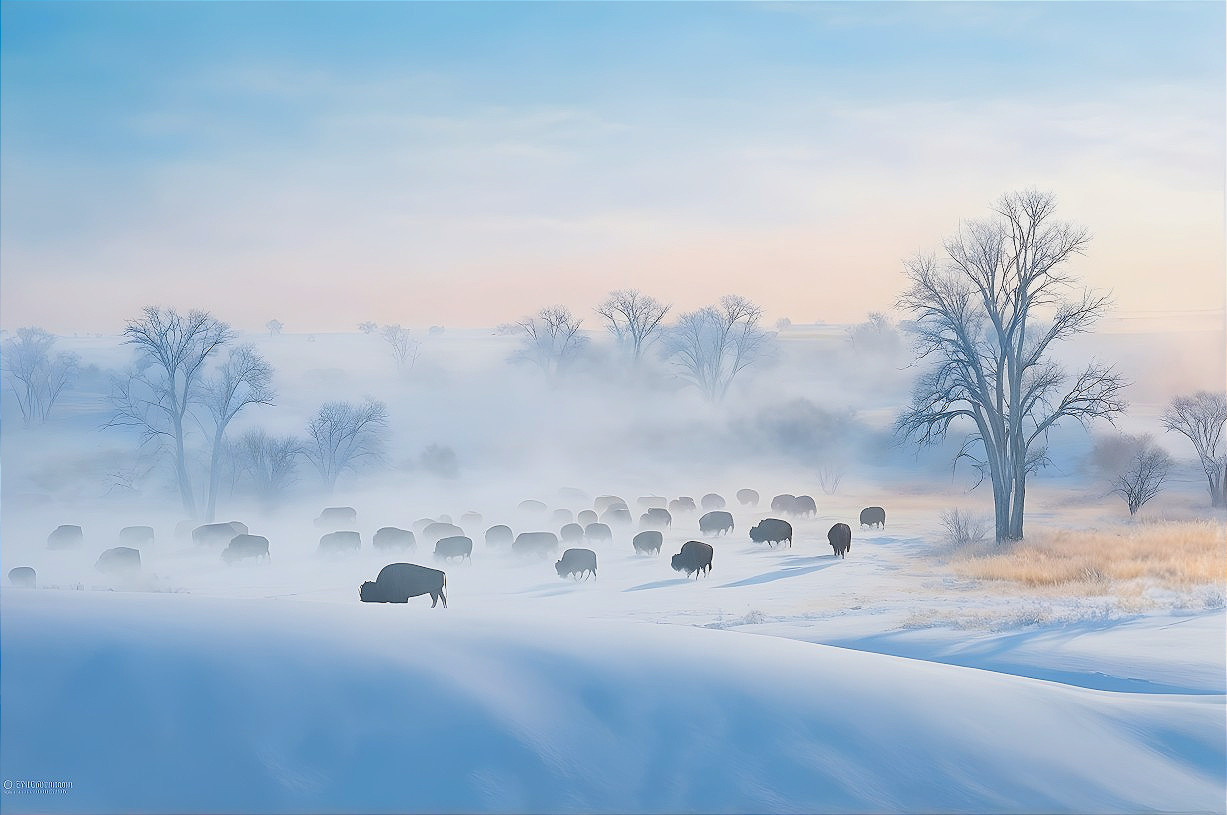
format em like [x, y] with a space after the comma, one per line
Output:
[467, 163]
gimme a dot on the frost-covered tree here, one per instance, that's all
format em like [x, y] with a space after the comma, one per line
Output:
[1201, 418]
[551, 339]
[35, 376]
[274, 327]
[987, 315]
[714, 344]
[368, 327]
[404, 346]
[244, 379]
[634, 319]
[271, 462]
[342, 435]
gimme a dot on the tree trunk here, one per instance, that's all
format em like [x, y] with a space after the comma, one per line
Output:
[214, 478]
[185, 481]
[1016, 511]
[1001, 508]
[1218, 484]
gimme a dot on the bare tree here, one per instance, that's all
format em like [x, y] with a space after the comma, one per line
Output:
[368, 327]
[1201, 418]
[829, 476]
[1145, 470]
[635, 319]
[404, 346]
[551, 340]
[876, 335]
[270, 461]
[274, 327]
[978, 318]
[37, 378]
[244, 379]
[714, 344]
[158, 391]
[343, 434]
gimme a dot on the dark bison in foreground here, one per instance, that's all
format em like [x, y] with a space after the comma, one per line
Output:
[695, 557]
[65, 537]
[397, 582]
[391, 537]
[336, 518]
[577, 562]
[136, 535]
[499, 535]
[245, 546]
[648, 541]
[342, 541]
[871, 516]
[747, 498]
[535, 543]
[23, 577]
[120, 560]
[772, 531]
[716, 523]
[459, 546]
[840, 537]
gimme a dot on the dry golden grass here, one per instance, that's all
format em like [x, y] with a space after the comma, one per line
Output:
[1174, 555]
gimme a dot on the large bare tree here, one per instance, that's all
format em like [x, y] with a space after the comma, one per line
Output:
[35, 376]
[1201, 418]
[551, 339]
[244, 379]
[270, 462]
[343, 434]
[634, 318]
[986, 317]
[157, 393]
[714, 344]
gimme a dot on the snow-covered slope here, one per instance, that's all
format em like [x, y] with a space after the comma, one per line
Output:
[171, 702]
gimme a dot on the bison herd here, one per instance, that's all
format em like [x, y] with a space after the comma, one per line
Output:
[397, 582]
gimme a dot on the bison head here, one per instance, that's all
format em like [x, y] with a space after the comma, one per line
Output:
[678, 562]
[560, 569]
[369, 592]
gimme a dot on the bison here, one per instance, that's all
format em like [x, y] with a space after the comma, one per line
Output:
[652, 502]
[471, 519]
[419, 526]
[840, 536]
[717, 522]
[136, 535]
[803, 505]
[572, 533]
[562, 516]
[391, 537]
[535, 543]
[772, 531]
[459, 546]
[397, 582]
[23, 577]
[438, 530]
[245, 546]
[340, 541]
[577, 562]
[499, 535]
[747, 498]
[656, 518]
[648, 541]
[585, 517]
[695, 558]
[712, 501]
[120, 560]
[871, 516]
[215, 534]
[782, 502]
[598, 532]
[66, 536]
[683, 504]
[607, 502]
[336, 518]
[532, 506]
[618, 516]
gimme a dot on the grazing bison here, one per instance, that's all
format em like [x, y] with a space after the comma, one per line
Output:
[535, 543]
[532, 506]
[585, 517]
[136, 535]
[336, 518]
[120, 560]
[652, 502]
[562, 516]
[572, 533]
[340, 541]
[840, 537]
[606, 502]
[618, 516]
[444, 519]
[391, 537]
[419, 526]
[717, 522]
[499, 535]
[747, 498]
[23, 577]
[683, 504]
[471, 519]
[656, 518]
[871, 516]
[245, 546]
[803, 505]
[459, 546]
[648, 541]
[66, 536]
[397, 582]
[695, 557]
[598, 532]
[577, 562]
[438, 530]
[782, 503]
[214, 534]
[239, 527]
[772, 531]
[712, 501]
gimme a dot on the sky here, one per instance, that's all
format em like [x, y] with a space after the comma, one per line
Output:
[466, 164]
